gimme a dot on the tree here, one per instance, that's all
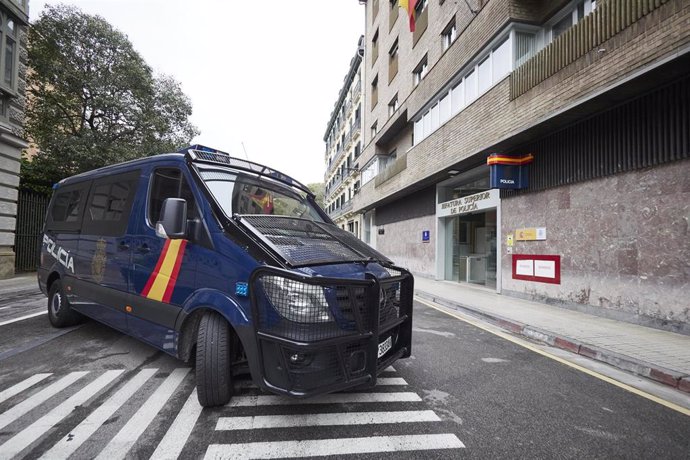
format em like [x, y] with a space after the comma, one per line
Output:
[93, 100]
[318, 189]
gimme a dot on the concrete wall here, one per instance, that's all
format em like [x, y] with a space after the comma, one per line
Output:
[402, 223]
[402, 242]
[624, 243]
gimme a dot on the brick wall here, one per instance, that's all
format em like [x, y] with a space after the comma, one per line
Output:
[493, 116]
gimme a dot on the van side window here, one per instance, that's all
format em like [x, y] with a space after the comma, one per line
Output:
[169, 183]
[67, 208]
[110, 202]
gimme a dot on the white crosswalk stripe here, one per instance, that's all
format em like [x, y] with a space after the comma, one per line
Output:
[321, 447]
[340, 418]
[39, 398]
[390, 381]
[247, 412]
[128, 435]
[176, 437]
[27, 436]
[21, 386]
[335, 398]
[70, 443]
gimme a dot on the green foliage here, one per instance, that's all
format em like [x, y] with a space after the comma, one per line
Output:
[93, 101]
[318, 189]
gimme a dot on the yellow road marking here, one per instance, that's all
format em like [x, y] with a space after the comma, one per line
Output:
[523, 344]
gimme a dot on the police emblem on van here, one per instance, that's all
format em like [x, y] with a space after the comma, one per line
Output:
[98, 261]
[58, 253]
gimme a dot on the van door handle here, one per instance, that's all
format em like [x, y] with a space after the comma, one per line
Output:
[123, 246]
[144, 249]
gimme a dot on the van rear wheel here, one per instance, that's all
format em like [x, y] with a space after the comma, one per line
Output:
[213, 377]
[60, 313]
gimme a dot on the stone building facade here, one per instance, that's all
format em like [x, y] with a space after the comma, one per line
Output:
[598, 92]
[14, 20]
[343, 138]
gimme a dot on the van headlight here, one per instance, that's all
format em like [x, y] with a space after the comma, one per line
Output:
[299, 302]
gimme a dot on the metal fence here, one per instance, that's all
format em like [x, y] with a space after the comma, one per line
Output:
[31, 212]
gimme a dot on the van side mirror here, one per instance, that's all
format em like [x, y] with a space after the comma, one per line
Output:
[173, 219]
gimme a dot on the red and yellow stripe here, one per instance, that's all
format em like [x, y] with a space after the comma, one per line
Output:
[496, 159]
[162, 281]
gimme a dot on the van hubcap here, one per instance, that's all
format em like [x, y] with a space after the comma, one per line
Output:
[56, 303]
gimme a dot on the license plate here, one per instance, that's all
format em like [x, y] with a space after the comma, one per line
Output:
[385, 346]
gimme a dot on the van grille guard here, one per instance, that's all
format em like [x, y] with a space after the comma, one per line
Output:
[339, 349]
[302, 242]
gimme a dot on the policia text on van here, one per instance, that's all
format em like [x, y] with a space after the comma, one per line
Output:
[228, 262]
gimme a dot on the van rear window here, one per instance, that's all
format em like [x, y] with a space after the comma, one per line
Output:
[67, 208]
[110, 202]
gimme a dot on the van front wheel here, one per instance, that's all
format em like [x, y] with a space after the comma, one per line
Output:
[213, 377]
[60, 313]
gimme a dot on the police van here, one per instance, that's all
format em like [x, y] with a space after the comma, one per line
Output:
[228, 265]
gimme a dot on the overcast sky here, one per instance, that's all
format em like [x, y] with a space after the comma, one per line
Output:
[263, 73]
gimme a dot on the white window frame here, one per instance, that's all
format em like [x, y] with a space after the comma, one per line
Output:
[449, 34]
[421, 70]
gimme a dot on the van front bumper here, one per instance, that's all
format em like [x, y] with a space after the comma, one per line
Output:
[370, 328]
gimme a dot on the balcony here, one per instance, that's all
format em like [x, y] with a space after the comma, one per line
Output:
[344, 209]
[608, 19]
[348, 141]
[356, 92]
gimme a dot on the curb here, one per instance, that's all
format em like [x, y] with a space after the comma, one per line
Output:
[623, 362]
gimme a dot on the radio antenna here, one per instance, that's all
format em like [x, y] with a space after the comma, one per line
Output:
[245, 151]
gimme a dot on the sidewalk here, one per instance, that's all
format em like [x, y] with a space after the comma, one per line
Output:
[25, 282]
[652, 353]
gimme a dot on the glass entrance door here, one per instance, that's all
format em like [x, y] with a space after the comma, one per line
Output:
[471, 244]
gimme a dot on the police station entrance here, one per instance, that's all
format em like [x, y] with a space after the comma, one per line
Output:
[467, 213]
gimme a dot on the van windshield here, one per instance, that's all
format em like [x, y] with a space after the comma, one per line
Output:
[240, 194]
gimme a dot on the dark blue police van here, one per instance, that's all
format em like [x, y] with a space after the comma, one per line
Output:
[228, 265]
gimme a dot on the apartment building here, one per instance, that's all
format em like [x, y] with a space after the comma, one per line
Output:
[14, 20]
[594, 96]
[343, 138]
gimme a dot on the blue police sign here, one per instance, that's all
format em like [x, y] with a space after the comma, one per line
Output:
[425, 236]
[509, 172]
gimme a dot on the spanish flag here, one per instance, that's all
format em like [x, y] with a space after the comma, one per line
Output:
[162, 281]
[409, 6]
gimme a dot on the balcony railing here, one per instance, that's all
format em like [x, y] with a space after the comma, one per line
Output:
[341, 210]
[609, 18]
[356, 91]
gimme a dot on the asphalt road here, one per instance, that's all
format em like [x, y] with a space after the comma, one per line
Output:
[93, 392]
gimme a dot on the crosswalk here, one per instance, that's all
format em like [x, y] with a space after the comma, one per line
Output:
[152, 413]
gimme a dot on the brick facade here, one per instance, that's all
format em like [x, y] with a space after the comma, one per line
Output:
[625, 274]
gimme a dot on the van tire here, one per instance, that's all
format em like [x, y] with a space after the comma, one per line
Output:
[213, 377]
[60, 313]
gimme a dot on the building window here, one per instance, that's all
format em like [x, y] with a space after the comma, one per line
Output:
[393, 106]
[374, 129]
[375, 47]
[525, 47]
[8, 51]
[374, 10]
[393, 14]
[420, 71]
[500, 61]
[449, 34]
[571, 16]
[375, 91]
[393, 61]
[421, 20]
